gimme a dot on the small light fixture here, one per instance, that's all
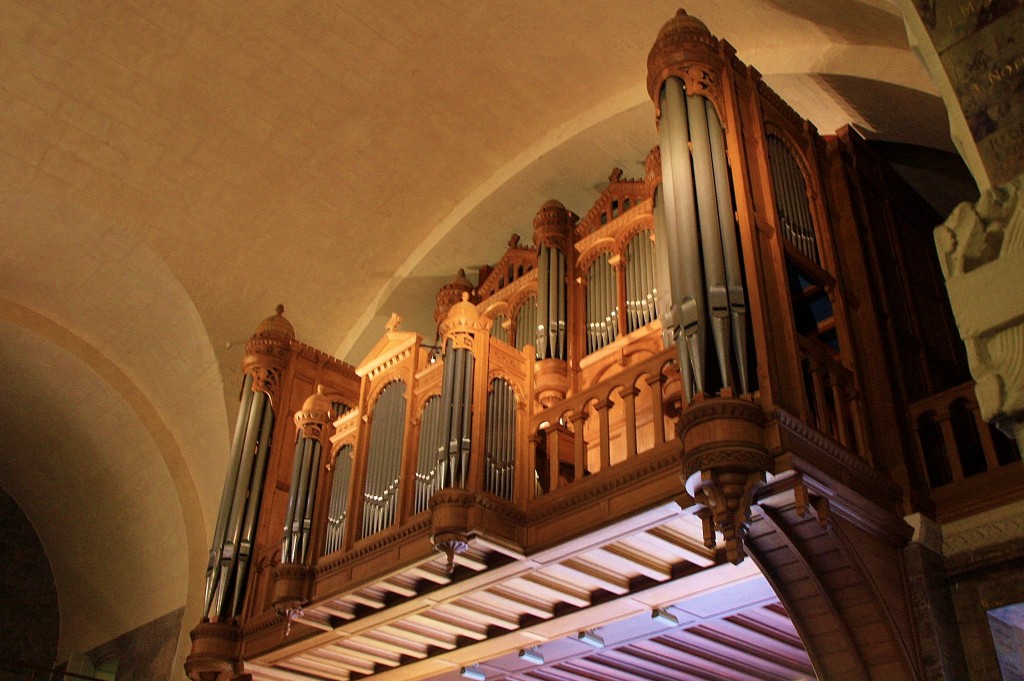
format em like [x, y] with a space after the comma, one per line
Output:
[473, 673]
[665, 617]
[591, 638]
[531, 655]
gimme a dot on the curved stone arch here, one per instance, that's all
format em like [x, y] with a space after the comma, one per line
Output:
[149, 417]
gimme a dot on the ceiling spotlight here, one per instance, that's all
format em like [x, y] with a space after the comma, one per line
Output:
[591, 638]
[473, 673]
[531, 655]
[665, 617]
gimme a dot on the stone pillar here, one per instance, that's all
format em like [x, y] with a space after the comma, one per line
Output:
[942, 655]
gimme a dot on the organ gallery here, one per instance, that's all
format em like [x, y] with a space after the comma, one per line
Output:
[673, 436]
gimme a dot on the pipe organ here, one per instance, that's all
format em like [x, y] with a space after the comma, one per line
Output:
[683, 317]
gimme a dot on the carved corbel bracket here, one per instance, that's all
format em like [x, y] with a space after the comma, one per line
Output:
[292, 584]
[724, 463]
[215, 651]
[450, 530]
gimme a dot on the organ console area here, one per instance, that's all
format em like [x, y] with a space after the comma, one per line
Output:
[720, 369]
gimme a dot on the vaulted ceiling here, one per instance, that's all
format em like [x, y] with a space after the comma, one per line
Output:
[169, 172]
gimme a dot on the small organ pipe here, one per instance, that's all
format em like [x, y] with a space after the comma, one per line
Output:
[561, 305]
[730, 246]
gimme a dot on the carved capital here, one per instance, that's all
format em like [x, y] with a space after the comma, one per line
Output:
[552, 225]
[551, 381]
[316, 412]
[981, 250]
[686, 49]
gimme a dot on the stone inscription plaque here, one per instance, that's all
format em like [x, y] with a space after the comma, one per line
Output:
[981, 46]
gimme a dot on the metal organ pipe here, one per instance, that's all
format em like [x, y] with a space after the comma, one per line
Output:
[710, 234]
[543, 296]
[233, 528]
[384, 459]
[686, 315]
[730, 246]
[526, 323]
[791, 198]
[699, 239]
[337, 510]
[500, 442]
[430, 453]
[227, 496]
[253, 504]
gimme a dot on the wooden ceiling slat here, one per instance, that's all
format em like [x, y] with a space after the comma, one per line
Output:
[528, 606]
[412, 632]
[482, 615]
[645, 565]
[598, 576]
[437, 620]
[556, 589]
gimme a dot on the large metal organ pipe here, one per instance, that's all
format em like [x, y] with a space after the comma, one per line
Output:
[384, 459]
[337, 509]
[236, 522]
[791, 198]
[500, 445]
[428, 478]
[699, 233]
[640, 278]
[550, 302]
[602, 303]
[310, 421]
[457, 412]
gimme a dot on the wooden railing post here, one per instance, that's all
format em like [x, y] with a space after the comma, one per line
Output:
[628, 395]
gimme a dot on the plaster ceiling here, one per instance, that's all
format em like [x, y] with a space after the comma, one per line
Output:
[169, 172]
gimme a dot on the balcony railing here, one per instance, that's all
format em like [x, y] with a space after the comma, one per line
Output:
[955, 442]
[613, 421]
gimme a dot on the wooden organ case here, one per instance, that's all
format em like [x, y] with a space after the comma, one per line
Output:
[684, 377]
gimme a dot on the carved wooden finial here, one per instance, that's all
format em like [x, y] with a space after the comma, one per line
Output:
[513, 241]
[393, 323]
[279, 309]
[616, 174]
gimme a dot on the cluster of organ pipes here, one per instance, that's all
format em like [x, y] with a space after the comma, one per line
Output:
[383, 460]
[700, 282]
[341, 471]
[791, 200]
[640, 278]
[526, 319]
[228, 568]
[428, 478]
[299, 515]
[500, 441]
[602, 304]
[551, 332]
[457, 412]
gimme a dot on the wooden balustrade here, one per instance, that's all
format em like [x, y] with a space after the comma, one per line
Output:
[954, 441]
[832, 399]
[614, 420]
